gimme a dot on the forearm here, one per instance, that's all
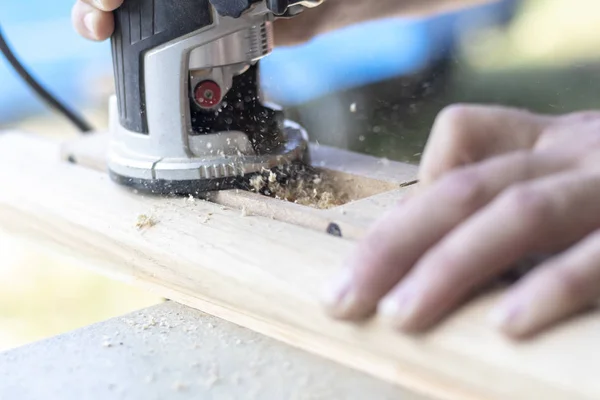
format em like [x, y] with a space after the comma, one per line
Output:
[335, 14]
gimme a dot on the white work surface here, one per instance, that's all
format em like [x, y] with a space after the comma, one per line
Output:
[171, 351]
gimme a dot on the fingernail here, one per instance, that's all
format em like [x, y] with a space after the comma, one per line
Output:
[398, 307]
[337, 290]
[89, 23]
[99, 4]
[504, 316]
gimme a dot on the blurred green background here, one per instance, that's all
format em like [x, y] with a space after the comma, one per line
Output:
[546, 59]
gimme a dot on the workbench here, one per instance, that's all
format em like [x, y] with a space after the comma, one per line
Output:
[171, 351]
[259, 263]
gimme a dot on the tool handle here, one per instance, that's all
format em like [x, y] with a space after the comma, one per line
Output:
[142, 25]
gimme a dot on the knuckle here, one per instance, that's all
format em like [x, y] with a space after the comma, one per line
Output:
[553, 137]
[455, 118]
[547, 138]
[568, 282]
[464, 189]
[456, 112]
[580, 117]
[531, 206]
[450, 141]
[584, 125]
[453, 274]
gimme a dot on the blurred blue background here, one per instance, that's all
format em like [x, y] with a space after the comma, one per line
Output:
[41, 35]
[74, 69]
[371, 52]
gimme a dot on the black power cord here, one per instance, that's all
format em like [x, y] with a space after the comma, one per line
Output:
[51, 100]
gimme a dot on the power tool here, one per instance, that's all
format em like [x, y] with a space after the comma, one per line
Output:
[187, 115]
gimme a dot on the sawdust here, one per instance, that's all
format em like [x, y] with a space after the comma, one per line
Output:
[180, 386]
[299, 184]
[106, 341]
[206, 218]
[212, 377]
[145, 221]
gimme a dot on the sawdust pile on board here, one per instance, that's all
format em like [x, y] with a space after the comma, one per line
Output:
[301, 184]
[145, 221]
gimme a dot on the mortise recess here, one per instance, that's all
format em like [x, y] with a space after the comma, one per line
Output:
[318, 188]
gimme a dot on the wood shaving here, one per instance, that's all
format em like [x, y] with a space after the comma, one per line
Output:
[298, 184]
[257, 182]
[151, 322]
[144, 222]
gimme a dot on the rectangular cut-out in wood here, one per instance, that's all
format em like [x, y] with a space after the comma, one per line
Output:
[267, 274]
[372, 185]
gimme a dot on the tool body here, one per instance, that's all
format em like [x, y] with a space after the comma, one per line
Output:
[187, 116]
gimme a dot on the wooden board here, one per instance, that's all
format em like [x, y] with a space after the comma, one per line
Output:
[372, 184]
[266, 275]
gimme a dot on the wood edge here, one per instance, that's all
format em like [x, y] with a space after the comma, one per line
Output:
[425, 387]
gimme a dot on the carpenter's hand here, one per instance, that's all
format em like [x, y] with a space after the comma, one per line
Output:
[93, 19]
[497, 185]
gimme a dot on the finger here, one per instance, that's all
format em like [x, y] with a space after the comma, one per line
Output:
[91, 22]
[466, 134]
[539, 216]
[397, 241]
[104, 5]
[563, 286]
[572, 131]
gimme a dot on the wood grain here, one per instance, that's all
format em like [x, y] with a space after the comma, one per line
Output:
[266, 275]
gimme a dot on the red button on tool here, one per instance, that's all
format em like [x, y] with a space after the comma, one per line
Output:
[207, 94]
